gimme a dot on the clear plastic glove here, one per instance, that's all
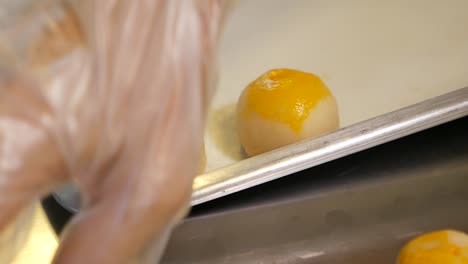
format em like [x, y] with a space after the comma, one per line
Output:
[111, 94]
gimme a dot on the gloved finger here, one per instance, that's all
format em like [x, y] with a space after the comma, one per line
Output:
[143, 108]
[122, 225]
[134, 206]
[30, 163]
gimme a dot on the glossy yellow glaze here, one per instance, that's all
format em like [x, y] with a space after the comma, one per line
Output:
[442, 247]
[286, 96]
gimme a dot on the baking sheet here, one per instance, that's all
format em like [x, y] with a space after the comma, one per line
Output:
[376, 56]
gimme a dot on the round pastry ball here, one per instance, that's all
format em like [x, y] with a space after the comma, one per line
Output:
[284, 106]
[447, 247]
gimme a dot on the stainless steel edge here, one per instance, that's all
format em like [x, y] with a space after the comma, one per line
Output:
[352, 139]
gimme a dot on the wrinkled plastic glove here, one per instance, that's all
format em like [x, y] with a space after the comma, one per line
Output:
[112, 95]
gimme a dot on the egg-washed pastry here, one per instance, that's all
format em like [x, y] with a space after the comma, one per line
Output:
[441, 247]
[284, 106]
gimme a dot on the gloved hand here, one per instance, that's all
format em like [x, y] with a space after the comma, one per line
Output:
[111, 94]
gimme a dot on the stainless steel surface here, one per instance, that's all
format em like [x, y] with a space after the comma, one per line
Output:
[359, 209]
[270, 166]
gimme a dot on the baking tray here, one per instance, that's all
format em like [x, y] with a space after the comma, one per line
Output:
[359, 209]
[394, 67]
[375, 56]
